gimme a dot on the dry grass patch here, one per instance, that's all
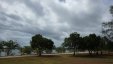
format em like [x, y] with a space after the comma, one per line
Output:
[61, 59]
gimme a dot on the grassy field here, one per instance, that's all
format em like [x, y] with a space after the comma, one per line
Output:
[61, 59]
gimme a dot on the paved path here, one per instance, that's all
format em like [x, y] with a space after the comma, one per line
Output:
[16, 56]
[24, 56]
[36, 55]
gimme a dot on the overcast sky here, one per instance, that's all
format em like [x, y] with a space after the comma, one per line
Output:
[55, 19]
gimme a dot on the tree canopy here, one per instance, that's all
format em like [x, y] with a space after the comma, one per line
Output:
[9, 45]
[41, 43]
[72, 41]
[92, 43]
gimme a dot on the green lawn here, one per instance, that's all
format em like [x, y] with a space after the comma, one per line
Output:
[62, 59]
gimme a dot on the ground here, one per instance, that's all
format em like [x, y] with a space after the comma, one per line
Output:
[57, 59]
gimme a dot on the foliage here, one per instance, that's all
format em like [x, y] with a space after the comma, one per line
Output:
[60, 49]
[41, 43]
[108, 27]
[92, 43]
[27, 49]
[1, 47]
[72, 41]
[107, 32]
[8, 46]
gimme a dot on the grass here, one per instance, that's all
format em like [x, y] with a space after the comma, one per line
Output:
[61, 59]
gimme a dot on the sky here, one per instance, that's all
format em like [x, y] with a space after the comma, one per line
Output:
[54, 19]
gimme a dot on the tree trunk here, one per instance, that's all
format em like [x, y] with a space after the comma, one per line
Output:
[39, 53]
[108, 52]
[90, 52]
[0, 53]
[21, 52]
[101, 53]
[74, 51]
[8, 53]
[96, 52]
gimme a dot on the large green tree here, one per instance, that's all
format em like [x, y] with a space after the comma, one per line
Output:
[41, 43]
[72, 42]
[94, 43]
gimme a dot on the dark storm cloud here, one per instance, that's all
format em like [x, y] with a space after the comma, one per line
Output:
[55, 19]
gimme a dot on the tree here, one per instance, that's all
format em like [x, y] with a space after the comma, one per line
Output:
[67, 43]
[74, 38]
[10, 45]
[107, 31]
[109, 45]
[60, 49]
[99, 44]
[102, 44]
[27, 49]
[41, 43]
[91, 43]
[72, 42]
[94, 43]
[1, 47]
[49, 45]
[108, 27]
[82, 44]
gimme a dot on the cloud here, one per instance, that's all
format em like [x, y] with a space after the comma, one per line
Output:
[55, 19]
